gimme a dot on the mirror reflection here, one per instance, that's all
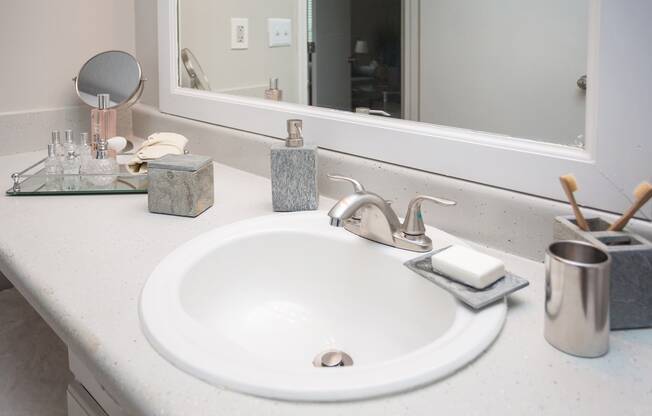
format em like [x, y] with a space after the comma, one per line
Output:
[510, 67]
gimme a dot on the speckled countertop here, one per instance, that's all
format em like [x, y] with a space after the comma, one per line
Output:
[82, 262]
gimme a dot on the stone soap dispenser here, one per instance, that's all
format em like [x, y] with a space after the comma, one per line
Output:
[294, 173]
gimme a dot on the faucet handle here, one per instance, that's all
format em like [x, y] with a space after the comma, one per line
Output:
[413, 225]
[339, 178]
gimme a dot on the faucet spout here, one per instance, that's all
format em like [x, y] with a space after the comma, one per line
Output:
[337, 222]
[369, 216]
[346, 208]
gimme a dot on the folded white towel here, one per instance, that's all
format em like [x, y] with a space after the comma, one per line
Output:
[156, 146]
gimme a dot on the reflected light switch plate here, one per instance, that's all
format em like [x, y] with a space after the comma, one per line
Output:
[239, 33]
[280, 32]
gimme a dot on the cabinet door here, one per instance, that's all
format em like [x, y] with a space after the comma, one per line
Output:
[80, 403]
[87, 381]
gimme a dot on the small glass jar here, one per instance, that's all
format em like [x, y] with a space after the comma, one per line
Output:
[70, 168]
[103, 169]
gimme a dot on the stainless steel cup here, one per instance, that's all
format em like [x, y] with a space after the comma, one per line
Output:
[577, 298]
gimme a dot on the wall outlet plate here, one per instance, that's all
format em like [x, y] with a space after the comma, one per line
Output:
[239, 33]
[279, 32]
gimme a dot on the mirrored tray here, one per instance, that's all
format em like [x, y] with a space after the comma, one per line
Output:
[38, 183]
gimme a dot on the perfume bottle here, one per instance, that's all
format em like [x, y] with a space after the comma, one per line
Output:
[273, 93]
[84, 150]
[70, 167]
[103, 169]
[68, 143]
[94, 142]
[59, 150]
[103, 119]
[53, 170]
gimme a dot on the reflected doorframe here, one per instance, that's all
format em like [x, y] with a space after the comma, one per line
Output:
[302, 40]
[411, 50]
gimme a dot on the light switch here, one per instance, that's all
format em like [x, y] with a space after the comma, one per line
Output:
[280, 32]
[239, 33]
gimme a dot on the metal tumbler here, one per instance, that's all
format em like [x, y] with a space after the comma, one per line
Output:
[577, 298]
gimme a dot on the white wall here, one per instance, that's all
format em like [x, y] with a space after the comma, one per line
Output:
[43, 43]
[509, 67]
[205, 28]
[147, 48]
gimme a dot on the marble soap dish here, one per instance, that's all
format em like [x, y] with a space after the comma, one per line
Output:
[475, 298]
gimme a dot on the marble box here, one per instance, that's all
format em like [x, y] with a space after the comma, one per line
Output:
[631, 269]
[180, 185]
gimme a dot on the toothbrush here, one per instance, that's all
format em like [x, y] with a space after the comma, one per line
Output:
[642, 193]
[569, 183]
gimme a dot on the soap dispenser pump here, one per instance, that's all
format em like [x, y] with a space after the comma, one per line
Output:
[294, 172]
[273, 92]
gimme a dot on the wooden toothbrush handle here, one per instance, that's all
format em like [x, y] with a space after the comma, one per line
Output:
[581, 221]
[629, 214]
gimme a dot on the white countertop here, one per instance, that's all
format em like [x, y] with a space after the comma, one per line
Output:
[82, 261]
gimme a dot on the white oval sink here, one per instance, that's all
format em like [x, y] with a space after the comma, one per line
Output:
[250, 305]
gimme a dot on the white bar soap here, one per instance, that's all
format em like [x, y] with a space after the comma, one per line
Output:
[468, 266]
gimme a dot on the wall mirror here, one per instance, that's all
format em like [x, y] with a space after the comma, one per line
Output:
[508, 93]
[516, 68]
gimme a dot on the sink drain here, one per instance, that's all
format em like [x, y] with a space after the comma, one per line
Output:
[332, 358]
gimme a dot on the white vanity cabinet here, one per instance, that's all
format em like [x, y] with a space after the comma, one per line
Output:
[86, 396]
[81, 403]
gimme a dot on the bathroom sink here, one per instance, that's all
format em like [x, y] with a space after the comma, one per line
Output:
[288, 307]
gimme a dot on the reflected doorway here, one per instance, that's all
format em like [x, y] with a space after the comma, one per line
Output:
[355, 55]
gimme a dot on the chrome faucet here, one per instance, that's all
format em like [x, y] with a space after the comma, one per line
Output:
[368, 215]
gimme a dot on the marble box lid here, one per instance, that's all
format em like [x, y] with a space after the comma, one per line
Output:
[187, 163]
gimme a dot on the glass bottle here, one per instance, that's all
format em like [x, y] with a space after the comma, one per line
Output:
[85, 158]
[59, 150]
[68, 143]
[103, 120]
[103, 168]
[70, 168]
[84, 150]
[53, 170]
[273, 92]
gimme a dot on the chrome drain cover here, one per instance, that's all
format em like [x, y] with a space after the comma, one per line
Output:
[332, 358]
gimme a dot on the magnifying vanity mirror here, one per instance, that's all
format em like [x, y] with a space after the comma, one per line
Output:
[116, 73]
[110, 80]
[508, 67]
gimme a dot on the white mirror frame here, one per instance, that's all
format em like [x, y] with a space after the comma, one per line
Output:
[617, 154]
